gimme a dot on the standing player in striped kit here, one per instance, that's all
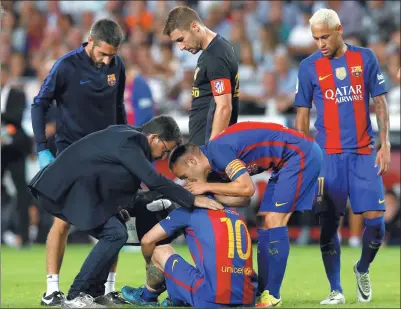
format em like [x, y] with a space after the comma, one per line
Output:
[340, 78]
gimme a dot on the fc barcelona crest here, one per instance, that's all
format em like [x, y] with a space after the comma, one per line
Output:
[111, 79]
[356, 70]
[341, 73]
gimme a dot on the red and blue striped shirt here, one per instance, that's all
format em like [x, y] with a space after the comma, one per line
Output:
[221, 248]
[255, 147]
[341, 89]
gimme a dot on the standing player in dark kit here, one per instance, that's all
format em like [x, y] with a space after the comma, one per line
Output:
[340, 79]
[88, 86]
[100, 172]
[215, 92]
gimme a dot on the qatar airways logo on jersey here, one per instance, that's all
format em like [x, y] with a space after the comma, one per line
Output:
[344, 94]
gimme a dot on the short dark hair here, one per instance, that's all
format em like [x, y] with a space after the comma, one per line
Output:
[180, 18]
[164, 126]
[180, 151]
[107, 30]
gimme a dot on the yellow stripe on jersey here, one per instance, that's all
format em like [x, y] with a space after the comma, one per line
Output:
[234, 167]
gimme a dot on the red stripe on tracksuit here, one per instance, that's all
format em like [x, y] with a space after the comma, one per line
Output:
[360, 112]
[331, 120]
[223, 279]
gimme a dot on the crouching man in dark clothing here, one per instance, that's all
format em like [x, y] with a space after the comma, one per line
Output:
[90, 180]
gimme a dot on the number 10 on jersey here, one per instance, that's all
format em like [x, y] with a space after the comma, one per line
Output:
[235, 238]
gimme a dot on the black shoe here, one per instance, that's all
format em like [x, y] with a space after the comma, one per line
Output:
[111, 299]
[53, 300]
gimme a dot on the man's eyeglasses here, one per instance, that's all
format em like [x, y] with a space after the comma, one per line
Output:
[166, 151]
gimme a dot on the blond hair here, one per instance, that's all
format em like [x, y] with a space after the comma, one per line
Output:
[325, 16]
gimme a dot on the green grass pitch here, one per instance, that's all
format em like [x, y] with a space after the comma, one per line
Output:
[23, 276]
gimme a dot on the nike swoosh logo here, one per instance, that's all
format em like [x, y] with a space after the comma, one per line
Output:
[172, 267]
[280, 204]
[47, 301]
[364, 296]
[324, 77]
[381, 201]
[82, 82]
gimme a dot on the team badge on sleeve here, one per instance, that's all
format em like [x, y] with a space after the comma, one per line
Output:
[111, 79]
[356, 70]
[341, 73]
[218, 86]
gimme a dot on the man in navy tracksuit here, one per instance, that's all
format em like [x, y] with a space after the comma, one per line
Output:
[88, 86]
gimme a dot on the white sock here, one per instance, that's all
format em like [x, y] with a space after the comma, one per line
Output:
[110, 284]
[354, 241]
[52, 284]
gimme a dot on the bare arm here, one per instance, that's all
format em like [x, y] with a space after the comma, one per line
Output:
[383, 155]
[233, 201]
[222, 113]
[302, 120]
[382, 116]
[240, 187]
[149, 241]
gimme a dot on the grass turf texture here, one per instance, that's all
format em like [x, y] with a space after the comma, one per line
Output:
[23, 277]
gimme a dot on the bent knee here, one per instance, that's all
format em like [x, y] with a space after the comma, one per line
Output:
[274, 219]
[161, 254]
[121, 235]
[373, 214]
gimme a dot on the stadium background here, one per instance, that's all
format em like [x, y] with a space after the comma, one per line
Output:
[270, 37]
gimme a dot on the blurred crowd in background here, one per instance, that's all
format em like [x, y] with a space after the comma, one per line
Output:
[270, 38]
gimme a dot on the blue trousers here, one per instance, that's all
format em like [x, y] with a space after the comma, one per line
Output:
[112, 237]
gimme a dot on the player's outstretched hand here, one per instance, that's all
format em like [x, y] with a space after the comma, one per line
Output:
[197, 187]
[159, 205]
[205, 202]
[383, 159]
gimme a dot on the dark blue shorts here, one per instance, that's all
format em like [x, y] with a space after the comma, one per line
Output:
[183, 281]
[349, 175]
[293, 187]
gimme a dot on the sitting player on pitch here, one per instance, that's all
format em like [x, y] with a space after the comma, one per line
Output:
[221, 247]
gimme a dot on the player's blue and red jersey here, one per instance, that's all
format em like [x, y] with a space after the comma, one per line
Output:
[221, 248]
[341, 89]
[255, 147]
[138, 101]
